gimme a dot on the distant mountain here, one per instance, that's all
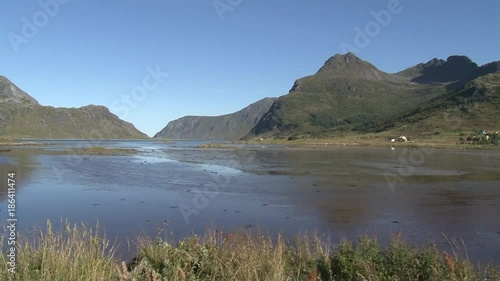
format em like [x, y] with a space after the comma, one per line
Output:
[474, 106]
[228, 127]
[348, 93]
[345, 91]
[22, 117]
[456, 70]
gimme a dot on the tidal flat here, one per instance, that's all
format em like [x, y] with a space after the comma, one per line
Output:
[431, 195]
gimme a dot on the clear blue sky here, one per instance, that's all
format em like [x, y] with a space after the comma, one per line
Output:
[95, 52]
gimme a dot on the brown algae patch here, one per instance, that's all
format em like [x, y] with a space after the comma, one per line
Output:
[215, 145]
[11, 142]
[96, 150]
[473, 176]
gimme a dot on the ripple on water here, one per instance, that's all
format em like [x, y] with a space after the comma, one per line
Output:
[219, 169]
[211, 168]
[6, 160]
[152, 159]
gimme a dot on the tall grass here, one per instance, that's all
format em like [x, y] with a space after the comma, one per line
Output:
[74, 252]
[77, 252]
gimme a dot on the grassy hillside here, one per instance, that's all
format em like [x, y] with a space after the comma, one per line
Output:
[349, 94]
[88, 122]
[346, 91]
[475, 106]
[22, 117]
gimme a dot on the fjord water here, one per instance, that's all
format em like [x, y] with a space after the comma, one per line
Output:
[338, 192]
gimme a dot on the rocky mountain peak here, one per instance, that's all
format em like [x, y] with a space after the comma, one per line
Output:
[435, 62]
[455, 68]
[10, 93]
[349, 65]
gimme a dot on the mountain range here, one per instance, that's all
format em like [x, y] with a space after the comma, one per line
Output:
[472, 107]
[349, 94]
[21, 116]
[228, 127]
[346, 94]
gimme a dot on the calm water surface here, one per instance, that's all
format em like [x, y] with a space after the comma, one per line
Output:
[340, 192]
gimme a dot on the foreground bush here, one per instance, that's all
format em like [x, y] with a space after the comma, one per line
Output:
[79, 253]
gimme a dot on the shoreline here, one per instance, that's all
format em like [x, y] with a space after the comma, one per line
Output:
[329, 143]
[446, 142]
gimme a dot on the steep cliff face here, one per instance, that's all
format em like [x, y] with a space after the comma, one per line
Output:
[228, 127]
[22, 117]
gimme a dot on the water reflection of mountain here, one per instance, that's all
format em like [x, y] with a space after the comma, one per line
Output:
[452, 193]
[21, 162]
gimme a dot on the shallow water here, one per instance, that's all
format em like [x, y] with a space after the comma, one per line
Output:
[336, 192]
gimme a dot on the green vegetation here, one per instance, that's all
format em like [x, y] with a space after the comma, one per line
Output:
[474, 107]
[481, 138]
[214, 145]
[98, 150]
[4, 141]
[75, 252]
[325, 121]
[350, 95]
[12, 142]
[22, 117]
[344, 93]
[79, 253]
[445, 121]
[46, 122]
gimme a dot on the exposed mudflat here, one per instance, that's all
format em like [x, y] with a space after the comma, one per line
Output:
[337, 192]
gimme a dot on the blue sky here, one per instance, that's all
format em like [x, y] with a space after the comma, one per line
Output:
[220, 55]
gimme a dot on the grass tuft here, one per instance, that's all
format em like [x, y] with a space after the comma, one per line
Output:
[74, 252]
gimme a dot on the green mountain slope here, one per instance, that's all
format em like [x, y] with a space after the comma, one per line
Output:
[229, 127]
[456, 71]
[475, 106]
[22, 117]
[348, 93]
[345, 92]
